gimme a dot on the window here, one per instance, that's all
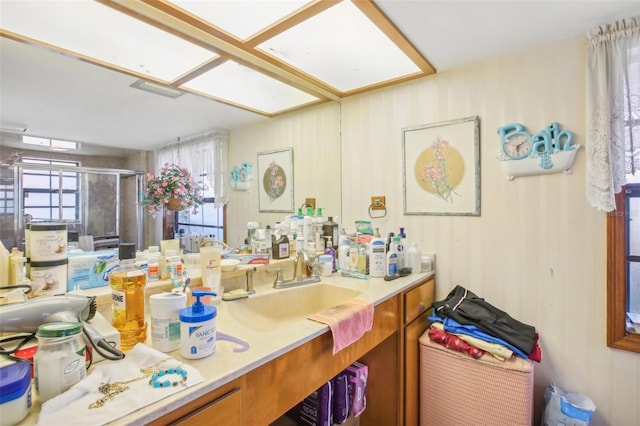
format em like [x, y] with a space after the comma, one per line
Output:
[49, 195]
[623, 269]
[209, 221]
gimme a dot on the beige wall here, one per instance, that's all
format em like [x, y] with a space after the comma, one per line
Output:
[538, 249]
[314, 135]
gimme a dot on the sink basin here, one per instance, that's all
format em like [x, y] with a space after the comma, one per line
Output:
[282, 307]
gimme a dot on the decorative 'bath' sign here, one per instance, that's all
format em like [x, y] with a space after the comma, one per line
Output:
[548, 151]
[241, 177]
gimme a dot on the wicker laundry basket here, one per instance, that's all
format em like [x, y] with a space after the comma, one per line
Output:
[456, 389]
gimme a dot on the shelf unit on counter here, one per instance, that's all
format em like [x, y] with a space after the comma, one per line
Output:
[285, 365]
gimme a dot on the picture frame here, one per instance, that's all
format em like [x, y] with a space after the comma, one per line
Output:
[441, 168]
[275, 181]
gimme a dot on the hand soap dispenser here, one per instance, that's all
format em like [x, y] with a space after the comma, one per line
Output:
[198, 328]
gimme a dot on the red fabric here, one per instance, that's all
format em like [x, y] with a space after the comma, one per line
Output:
[536, 353]
[451, 341]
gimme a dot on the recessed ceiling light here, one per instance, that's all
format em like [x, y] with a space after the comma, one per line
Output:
[158, 89]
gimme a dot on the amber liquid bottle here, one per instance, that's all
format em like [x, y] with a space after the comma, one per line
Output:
[127, 284]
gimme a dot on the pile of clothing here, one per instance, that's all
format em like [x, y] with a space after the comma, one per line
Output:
[469, 324]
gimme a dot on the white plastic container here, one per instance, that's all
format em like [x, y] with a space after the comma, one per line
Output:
[48, 242]
[198, 328]
[60, 361]
[414, 258]
[165, 320]
[15, 393]
[51, 277]
[325, 262]
[377, 257]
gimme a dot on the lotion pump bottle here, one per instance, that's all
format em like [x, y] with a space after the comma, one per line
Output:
[198, 328]
[377, 256]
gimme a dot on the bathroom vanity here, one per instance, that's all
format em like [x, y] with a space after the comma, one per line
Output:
[289, 361]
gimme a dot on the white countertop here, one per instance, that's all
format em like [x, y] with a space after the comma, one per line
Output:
[224, 364]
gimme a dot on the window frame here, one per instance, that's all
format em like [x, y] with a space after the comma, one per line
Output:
[59, 190]
[617, 296]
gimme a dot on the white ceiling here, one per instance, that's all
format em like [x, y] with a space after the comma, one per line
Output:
[61, 97]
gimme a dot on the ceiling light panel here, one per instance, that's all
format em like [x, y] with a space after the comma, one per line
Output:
[242, 19]
[341, 47]
[102, 33]
[240, 85]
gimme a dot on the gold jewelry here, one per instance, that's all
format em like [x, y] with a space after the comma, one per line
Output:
[110, 390]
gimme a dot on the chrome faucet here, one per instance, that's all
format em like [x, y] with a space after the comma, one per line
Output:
[300, 269]
[299, 274]
[250, 273]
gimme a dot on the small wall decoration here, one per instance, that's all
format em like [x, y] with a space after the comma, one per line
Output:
[275, 174]
[241, 177]
[441, 168]
[548, 151]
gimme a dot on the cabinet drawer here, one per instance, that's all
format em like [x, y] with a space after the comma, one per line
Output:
[226, 410]
[418, 300]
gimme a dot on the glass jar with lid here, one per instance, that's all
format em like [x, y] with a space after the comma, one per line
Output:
[60, 360]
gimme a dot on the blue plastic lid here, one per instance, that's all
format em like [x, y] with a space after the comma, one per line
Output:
[15, 379]
[198, 312]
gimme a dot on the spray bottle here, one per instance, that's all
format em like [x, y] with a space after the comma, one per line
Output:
[198, 328]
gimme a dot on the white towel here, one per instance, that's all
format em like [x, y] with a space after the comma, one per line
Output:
[72, 407]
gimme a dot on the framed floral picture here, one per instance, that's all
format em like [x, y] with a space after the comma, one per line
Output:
[441, 168]
[275, 181]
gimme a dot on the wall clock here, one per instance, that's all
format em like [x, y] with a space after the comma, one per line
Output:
[524, 154]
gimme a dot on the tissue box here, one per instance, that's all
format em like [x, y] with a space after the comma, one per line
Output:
[316, 409]
[90, 269]
[358, 374]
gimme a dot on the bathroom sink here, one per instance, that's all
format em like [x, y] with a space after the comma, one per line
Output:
[266, 312]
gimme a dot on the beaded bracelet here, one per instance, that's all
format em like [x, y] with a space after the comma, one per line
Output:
[158, 380]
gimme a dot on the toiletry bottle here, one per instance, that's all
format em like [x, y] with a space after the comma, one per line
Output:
[414, 258]
[318, 233]
[331, 252]
[353, 258]
[330, 229]
[377, 256]
[198, 328]
[392, 259]
[127, 284]
[362, 259]
[343, 253]
[4, 264]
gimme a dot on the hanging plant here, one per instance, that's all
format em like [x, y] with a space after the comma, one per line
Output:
[173, 188]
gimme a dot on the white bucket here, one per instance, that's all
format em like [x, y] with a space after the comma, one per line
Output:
[50, 277]
[47, 242]
[165, 320]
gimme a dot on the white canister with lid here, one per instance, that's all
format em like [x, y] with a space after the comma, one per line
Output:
[198, 328]
[48, 242]
[165, 320]
[60, 361]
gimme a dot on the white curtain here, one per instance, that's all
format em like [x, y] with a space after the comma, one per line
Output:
[613, 102]
[206, 154]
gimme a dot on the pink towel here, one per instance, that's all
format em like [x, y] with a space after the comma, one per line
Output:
[348, 321]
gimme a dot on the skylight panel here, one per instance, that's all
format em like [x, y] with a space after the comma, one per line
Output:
[99, 32]
[238, 84]
[241, 18]
[341, 47]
